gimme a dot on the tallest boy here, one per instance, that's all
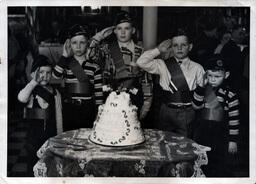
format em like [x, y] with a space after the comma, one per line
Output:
[120, 65]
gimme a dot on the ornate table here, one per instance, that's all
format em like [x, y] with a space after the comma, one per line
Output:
[162, 154]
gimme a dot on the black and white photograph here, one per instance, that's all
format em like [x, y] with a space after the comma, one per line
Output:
[128, 91]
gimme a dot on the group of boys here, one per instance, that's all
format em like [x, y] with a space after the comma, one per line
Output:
[186, 86]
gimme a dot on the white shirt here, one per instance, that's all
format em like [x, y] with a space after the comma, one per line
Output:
[192, 71]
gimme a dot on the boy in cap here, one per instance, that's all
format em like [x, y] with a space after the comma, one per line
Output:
[83, 81]
[43, 107]
[179, 76]
[120, 68]
[218, 120]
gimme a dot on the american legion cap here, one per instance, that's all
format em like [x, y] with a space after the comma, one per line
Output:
[216, 62]
[78, 30]
[122, 17]
[40, 61]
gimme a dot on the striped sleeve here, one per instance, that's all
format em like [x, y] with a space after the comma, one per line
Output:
[198, 98]
[233, 116]
[98, 86]
[59, 68]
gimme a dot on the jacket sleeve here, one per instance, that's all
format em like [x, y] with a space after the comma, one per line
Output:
[233, 116]
[25, 94]
[198, 98]
[59, 68]
[98, 86]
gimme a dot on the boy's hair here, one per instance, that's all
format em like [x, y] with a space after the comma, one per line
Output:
[78, 30]
[122, 17]
[216, 63]
[181, 32]
[40, 61]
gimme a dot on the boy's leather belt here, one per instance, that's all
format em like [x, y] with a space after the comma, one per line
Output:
[77, 101]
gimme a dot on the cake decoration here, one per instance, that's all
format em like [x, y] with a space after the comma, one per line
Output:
[117, 123]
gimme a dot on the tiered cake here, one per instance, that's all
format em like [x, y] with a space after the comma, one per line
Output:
[117, 123]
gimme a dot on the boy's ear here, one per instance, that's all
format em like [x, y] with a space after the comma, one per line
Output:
[190, 46]
[227, 73]
[133, 30]
[115, 30]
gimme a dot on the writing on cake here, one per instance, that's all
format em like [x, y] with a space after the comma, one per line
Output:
[117, 122]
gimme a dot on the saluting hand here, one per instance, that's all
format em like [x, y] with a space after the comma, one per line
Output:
[104, 33]
[165, 46]
[205, 79]
[36, 76]
[67, 52]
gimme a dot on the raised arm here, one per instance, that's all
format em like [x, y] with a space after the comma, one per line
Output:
[59, 68]
[25, 94]
[148, 62]
[96, 39]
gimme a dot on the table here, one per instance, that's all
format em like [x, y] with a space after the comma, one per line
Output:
[162, 154]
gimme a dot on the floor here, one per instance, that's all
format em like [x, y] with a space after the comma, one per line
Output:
[17, 153]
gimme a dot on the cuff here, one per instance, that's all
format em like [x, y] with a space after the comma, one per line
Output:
[33, 83]
[155, 52]
[62, 62]
[200, 90]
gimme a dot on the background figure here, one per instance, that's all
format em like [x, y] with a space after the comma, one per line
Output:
[205, 42]
[232, 51]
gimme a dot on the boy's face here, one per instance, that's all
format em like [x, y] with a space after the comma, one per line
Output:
[124, 32]
[216, 78]
[181, 46]
[79, 45]
[45, 74]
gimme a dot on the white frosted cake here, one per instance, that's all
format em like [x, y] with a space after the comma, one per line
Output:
[117, 123]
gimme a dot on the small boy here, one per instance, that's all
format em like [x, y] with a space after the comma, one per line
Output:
[120, 69]
[43, 107]
[83, 81]
[218, 121]
[179, 76]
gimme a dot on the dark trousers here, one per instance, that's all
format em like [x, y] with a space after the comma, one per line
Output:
[38, 133]
[77, 116]
[177, 120]
[215, 135]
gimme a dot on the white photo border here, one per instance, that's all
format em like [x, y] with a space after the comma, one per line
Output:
[3, 90]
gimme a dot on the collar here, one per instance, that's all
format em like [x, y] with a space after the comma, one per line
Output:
[129, 45]
[185, 60]
[82, 62]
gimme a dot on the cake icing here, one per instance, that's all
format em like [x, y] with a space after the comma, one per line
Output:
[117, 123]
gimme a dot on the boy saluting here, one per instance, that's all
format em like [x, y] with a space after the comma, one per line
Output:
[43, 108]
[218, 121]
[179, 76]
[120, 65]
[83, 81]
